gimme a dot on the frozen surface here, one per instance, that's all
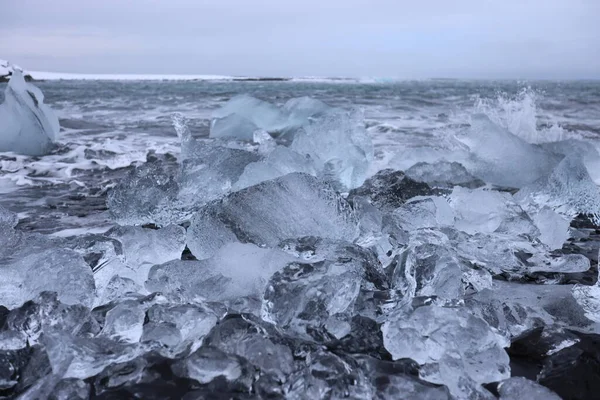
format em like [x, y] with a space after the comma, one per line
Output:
[27, 125]
[292, 206]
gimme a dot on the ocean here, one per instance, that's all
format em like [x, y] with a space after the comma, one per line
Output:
[107, 127]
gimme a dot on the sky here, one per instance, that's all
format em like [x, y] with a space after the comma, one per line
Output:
[529, 39]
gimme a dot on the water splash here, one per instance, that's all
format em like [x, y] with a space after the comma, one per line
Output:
[520, 115]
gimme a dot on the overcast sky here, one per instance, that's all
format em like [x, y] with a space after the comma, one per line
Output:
[384, 38]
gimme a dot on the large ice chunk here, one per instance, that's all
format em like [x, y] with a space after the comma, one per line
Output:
[389, 189]
[588, 298]
[58, 270]
[149, 246]
[487, 211]
[340, 146]
[281, 161]
[291, 206]
[146, 195]
[233, 126]
[236, 270]
[453, 347]
[27, 125]
[302, 298]
[212, 172]
[568, 189]
[300, 109]
[443, 174]
[501, 158]
[518, 388]
[257, 112]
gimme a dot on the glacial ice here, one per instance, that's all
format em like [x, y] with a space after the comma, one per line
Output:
[568, 189]
[236, 270]
[233, 126]
[279, 162]
[588, 298]
[340, 147]
[517, 388]
[323, 284]
[300, 109]
[145, 196]
[257, 112]
[291, 206]
[487, 211]
[59, 270]
[453, 347]
[443, 174]
[27, 125]
[389, 189]
[144, 246]
[501, 158]
[155, 194]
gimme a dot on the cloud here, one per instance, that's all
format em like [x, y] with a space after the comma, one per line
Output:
[461, 38]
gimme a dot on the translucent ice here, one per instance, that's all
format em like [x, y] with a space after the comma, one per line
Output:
[428, 212]
[501, 158]
[27, 125]
[264, 115]
[211, 173]
[144, 246]
[146, 195]
[124, 322]
[302, 296]
[588, 298]
[236, 270]
[554, 228]
[428, 269]
[394, 380]
[568, 189]
[453, 347]
[291, 206]
[302, 108]
[487, 211]
[83, 357]
[518, 388]
[340, 147]
[59, 270]
[389, 189]
[281, 161]
[244, 337]
[193, 323]
[443, 174]
[329, 376]
[510, 317]
[233, 126]
[209, 363]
